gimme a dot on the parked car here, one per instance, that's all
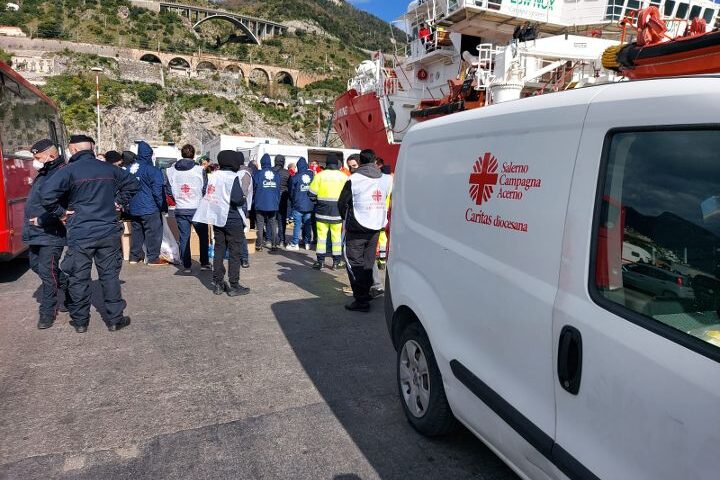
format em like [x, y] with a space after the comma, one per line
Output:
[656, 281]
[498, 302]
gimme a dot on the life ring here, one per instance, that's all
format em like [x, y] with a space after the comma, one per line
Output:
[650, 25]
[422, 74]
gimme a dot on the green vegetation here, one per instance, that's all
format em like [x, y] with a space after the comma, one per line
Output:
[332, 86]
[5, 57]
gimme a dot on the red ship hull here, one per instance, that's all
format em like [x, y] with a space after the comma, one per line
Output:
[358, 120]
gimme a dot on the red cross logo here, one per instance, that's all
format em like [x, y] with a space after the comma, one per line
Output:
[377, 196]
[210, 189]
[483, 178]
[185, 188]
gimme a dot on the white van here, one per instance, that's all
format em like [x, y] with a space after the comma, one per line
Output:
[505, 296]
[292, 153]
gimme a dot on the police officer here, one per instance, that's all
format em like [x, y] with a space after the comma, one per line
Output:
[45, 234]
[95, 190]
[363, 203]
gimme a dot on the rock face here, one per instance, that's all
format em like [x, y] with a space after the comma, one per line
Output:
[121, 126]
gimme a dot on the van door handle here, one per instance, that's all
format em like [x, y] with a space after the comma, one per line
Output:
[569, 366]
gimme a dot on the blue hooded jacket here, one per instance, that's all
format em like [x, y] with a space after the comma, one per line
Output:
[266, 187]
[299, 187]
[151, 197]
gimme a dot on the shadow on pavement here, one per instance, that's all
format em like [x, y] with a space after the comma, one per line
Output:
[349, 358]
[12, 270]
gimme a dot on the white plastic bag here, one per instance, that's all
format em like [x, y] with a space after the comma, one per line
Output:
[169, 250]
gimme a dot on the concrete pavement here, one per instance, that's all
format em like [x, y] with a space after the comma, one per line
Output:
[282, 383]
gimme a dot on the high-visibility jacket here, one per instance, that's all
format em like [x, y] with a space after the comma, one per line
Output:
[326, 187]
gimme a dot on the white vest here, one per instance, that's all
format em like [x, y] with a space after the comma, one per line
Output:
[370, 195]
[215, 205]
[186, 186]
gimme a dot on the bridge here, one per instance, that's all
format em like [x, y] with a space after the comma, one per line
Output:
[258, 74]
[255, 29]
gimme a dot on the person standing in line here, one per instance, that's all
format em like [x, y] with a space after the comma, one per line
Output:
[352, 162]
[302, 205]
[45, 235]
[94, 191]
[114, 157]
[145, 209]
[186, 185]
[128, 158]
[364, 204]
[266, 193]
[325, 190]
[222, 207]
[246, 183]
[284, 176]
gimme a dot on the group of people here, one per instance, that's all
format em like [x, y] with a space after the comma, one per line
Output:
[79, 204]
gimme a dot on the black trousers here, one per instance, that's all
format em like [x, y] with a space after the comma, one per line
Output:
[77, 264]
[269, 218]
[228, 237]
[146, 230]
[360, 257]
[282, 218]
[44, 261]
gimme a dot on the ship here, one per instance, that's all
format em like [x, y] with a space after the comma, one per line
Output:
[464, 54]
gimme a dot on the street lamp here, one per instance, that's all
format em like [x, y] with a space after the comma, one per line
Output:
[97, 71]
[318, 102]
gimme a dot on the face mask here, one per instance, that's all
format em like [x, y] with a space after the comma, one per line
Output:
[37, 164]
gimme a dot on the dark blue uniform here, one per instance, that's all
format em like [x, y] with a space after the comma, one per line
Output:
[92, 188]
[46, 242]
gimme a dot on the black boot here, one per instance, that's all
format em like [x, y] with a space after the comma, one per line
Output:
[237, 290]
[219, 288]
[78, 328]
[318, 265]
[358, 306]
[124, 322]
[45, 322]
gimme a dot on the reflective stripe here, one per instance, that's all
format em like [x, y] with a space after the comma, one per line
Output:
[328, 217]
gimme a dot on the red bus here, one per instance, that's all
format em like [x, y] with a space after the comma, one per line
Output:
[26, 116]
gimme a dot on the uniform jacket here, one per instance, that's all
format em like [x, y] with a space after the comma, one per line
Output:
[325, 190]
[266, 187]
[50, 230]
[300, 188]
[92, 188]
[151, 196]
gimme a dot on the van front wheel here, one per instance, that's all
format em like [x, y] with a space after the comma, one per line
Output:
[420, 384]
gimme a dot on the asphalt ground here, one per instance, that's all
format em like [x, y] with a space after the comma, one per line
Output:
[281, 383]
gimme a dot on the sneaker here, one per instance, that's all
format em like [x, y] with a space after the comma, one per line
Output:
[258, 249]
[220, 288]
[245, 264]
[44, 323]
[292, 247]
[308, 246]
[268, 244]
[205, 268]
[376, 292]
[134, 262]
[157, 263]
[318, 265]
[338, 265]
[237, 291]
[124, 322]
[187, 270]
[356, 306]
[78, 327]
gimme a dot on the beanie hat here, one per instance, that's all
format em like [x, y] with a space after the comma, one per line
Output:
[229, 159]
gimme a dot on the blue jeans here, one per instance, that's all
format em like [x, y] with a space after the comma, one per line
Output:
[184, 222]
[302, 221]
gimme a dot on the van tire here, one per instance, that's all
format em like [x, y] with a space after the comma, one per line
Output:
[437, 418]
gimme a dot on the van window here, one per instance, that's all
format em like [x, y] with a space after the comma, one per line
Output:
[667, 187]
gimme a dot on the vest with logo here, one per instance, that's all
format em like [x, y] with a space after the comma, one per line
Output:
[215, 205]
[186, 186]
[370, 200]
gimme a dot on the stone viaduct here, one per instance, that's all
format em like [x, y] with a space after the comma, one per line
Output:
[191, 63]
